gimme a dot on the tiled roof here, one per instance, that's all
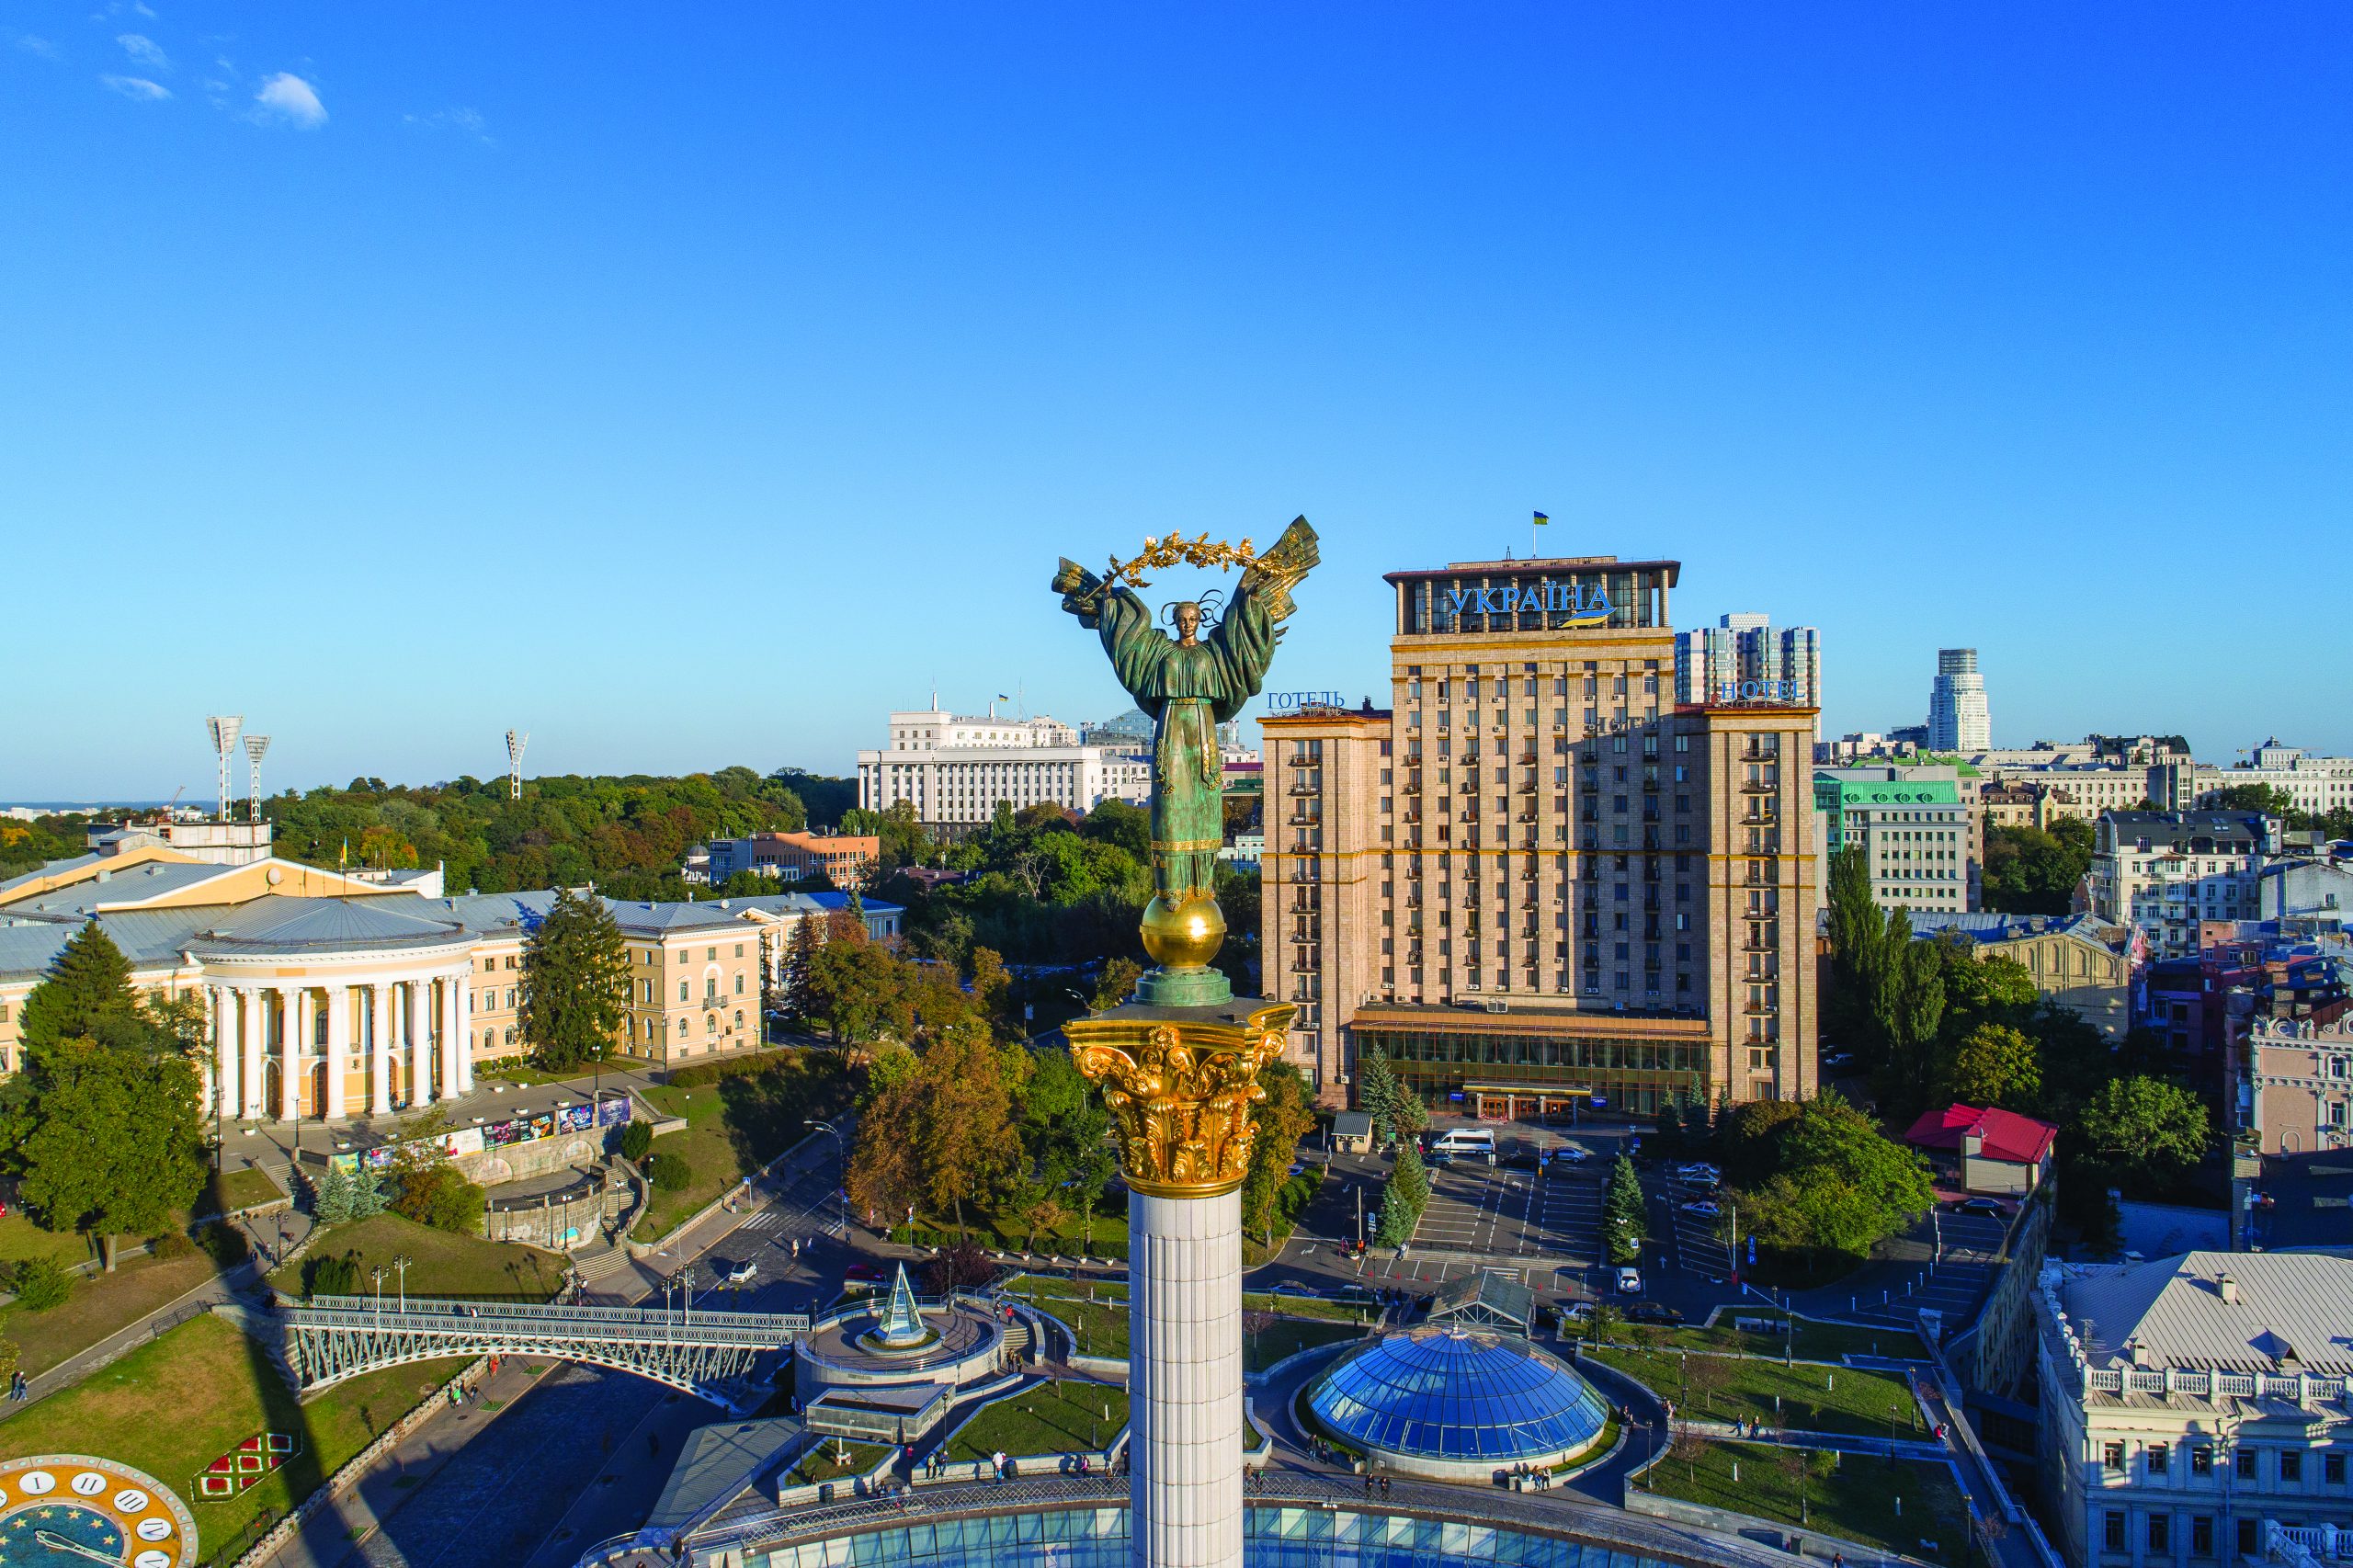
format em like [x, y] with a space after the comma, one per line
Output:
[2287, 1301]
[280, 922]
[133, 884]
[2021, 1139]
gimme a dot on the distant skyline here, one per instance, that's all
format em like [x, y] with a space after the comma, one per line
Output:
[690, 389]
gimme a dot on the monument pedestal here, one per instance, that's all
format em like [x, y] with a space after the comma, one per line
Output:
[1179, 1081]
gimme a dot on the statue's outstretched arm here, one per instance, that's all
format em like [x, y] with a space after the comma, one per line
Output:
[1082, 591]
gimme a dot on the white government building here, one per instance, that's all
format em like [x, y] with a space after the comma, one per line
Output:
[954, 768]
[2194, 1408]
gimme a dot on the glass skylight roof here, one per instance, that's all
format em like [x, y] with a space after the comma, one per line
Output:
[1446, 1393]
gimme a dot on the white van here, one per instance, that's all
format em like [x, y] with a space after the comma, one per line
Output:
[1466, 1143]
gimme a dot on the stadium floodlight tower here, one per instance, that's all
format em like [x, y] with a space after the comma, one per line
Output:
[255, 745]
[224, 728]
[516, 742]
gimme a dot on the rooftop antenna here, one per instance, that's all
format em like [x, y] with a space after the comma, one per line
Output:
[255, 746]
[516, 742]
[223, 728]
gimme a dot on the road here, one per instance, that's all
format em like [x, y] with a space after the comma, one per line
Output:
[581, 1452]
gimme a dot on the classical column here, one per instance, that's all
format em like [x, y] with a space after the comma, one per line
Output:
[220, 1075]
[249, 1030]
[420, 1041]
[1180, 1091]
[380, 1041]
[293, 1050]
[338, 1045]
[465, 991]
[453, 1032]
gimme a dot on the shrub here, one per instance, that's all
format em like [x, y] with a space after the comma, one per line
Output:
[440, 1197]
[225, 1244]
[332, 1275]
[671, 1173]
[41, 1283]
[173, 1245]
[964, 1267]
[637, 1137]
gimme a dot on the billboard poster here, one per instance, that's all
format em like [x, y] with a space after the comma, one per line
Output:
[540, 1126]
[498, 1134]
[466, 1141]
[613, 1112]
[574, 1118]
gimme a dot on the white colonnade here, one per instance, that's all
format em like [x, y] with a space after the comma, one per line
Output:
[389, 1042]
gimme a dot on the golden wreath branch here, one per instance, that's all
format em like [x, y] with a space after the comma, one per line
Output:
[1159, 554]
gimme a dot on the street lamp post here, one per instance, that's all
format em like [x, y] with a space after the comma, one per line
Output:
[841, 1157]
[401, 1264]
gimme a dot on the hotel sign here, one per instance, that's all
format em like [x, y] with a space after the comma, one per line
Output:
[1585, 604]
[1279, 702]
[1757, 691]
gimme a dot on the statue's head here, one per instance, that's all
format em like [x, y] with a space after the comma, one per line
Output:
[1188, 616]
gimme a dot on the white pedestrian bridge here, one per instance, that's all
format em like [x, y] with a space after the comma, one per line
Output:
[706, 1353]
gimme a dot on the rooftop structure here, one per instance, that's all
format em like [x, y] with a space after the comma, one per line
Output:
[1958, 719]
[1454, 1403]
[955, 768]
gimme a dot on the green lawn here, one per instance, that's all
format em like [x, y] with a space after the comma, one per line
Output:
[100, 1305]
[1308, 1307]
[21, 1240]
[1050, 1418]
[1815, 1399]
[229, 1191]
[1858, 1498]
[171, 1407]
[441, 1262]
[1816, 1341]
[1288, 1336]
[734, 1128]
[819, 1464]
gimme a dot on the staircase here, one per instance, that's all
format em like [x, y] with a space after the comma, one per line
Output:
[601, 1261]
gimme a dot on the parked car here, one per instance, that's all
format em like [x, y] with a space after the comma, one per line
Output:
[859, 1276]
[1651, 1312]
[1839, 1062]
[1574, 1154]
[741, 1273]
[1580, 1312]
[1520, 1158]
[1984, 1208]
[1701, 1207]
[1629, 1282]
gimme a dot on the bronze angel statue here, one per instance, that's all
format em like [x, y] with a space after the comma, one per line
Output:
[1190, 681]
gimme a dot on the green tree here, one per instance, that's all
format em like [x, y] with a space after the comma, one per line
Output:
[1118, 984]
[1401, 1205]
[1282, 1118]
[1624, 1214]
[2030, 870]
[2148, 1131]
[1997, 1065]
[1837, 1184]
[87, 994]
[1377, 1091]
[331, 1200]
[575, 982]
[1857, 935]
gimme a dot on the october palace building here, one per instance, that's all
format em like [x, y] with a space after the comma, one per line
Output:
[331, 995]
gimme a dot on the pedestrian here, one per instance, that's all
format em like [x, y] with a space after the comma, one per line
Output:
[1384, 1489]
[1368, 1483]
[1837, 1560]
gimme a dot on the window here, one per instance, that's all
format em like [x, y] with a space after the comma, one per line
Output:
[2247, 1464]
[682, 991]
[2202, 1461]
[2111, 1535]
[2111, 1457]
[2332, 1470]
[739, 982]
[2292, 1466]
[2201, 1535]
[2160, 1532]
[2159, 1455]
[2247, 1536]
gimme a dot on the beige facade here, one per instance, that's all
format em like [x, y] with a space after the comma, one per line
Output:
[2295, 1086]
[1537, 877]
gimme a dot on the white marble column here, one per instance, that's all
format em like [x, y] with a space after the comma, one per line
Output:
[293, 1050]
[224, 1050]
[379, 1049]
[420, 1012]
[1185, 1380]
[453, 1031]
[249, 1032]
[465, 991]
[338, 1045]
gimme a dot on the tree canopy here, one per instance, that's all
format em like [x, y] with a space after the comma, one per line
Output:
[575, 982]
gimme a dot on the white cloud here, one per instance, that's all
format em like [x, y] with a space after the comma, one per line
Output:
[464, 121]
[288, 97]
[39, 45]
[143, 51]
[138, 88]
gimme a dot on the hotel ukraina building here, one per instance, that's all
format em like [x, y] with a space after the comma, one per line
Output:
[336, 995]
[1538, 878]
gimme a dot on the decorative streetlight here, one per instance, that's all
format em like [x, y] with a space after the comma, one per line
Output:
[400, 1263]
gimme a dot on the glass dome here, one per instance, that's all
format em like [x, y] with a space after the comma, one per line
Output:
[1458, 1396]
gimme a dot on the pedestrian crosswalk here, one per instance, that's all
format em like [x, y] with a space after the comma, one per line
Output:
[762, 1221]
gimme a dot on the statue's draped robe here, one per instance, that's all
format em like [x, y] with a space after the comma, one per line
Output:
[1189, 691]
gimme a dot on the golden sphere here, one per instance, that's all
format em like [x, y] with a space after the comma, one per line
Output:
[1185, 936]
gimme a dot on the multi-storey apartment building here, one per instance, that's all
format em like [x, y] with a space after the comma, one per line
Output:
[1537, 877]
[1916, 826]
[2195, 1409]
[1957, 717]
[2164, 871]
[845, 858]
[955, 768]
[1746, 656]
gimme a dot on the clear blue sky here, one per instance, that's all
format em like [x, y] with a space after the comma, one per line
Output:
[692, 386]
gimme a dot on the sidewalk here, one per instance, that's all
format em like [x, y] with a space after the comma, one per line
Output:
[326, 1539]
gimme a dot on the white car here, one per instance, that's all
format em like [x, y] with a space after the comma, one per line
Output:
[1699, 1176]
[1580, 1313]
[740, 1273]
[1629, 1282]
[1702, 1208]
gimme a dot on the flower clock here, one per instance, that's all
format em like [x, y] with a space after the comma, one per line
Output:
[70, 1510]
